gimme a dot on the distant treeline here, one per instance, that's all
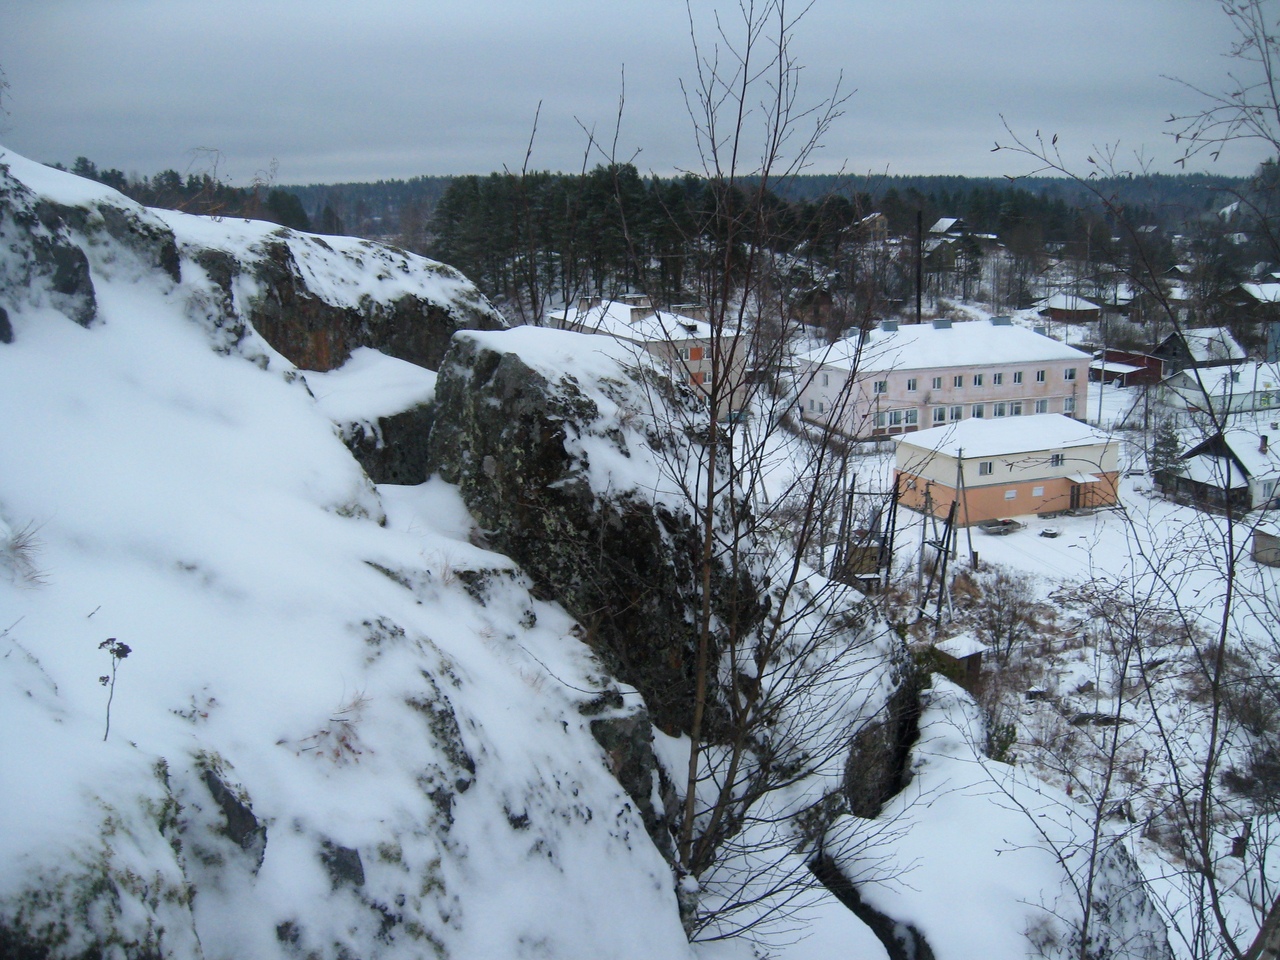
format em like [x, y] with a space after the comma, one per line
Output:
[404, 208]
[555, 235]
[1176, 195]
[611, 229]
[384, 208]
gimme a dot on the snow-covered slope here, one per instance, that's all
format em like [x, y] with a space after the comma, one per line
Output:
[259, 707]
[332, 735]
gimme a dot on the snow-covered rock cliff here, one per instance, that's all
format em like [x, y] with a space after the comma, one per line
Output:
[263, 701]
[341, 729]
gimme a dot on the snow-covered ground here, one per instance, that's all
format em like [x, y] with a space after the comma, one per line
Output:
[1164, 563]
[412, 744]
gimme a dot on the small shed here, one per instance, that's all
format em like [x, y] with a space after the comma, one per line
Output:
[964, 651]
[1150, 369]
[1265, 548]
[1113, 373]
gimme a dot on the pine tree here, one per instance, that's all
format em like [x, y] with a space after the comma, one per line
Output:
[1166, 447]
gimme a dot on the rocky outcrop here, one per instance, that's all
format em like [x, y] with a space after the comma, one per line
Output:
[901, 941]
[394, 450]
[519, 438]
[313, 299]
[291, 291]
[240, 825]
[49, 248]
[39, 258]
[627, 739]
[878, 766]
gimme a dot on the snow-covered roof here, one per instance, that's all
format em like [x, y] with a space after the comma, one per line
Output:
[637, 323]
[961, 646]
[1231, 380]
[1006, 435]
[1066, 301]
[944, 225]
[1262, 292]
[1247, 446]
[1213, 343]
[1109, 366]
[922, 346]
[1211, 470]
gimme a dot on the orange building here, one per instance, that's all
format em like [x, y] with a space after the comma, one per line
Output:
[1004, 468]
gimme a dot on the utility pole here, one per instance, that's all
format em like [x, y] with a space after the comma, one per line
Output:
[919, 261]
[924, 535]
[962, 495]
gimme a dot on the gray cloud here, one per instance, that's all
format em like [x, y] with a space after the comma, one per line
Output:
[395, 88]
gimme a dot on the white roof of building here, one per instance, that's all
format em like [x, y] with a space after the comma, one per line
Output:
[1004, 436]
[1066, 301]
[960, 646]
[1250, 377]
[1262, 292]
[1110, 366]
[921, 346]
[1247, 445]
[623, 320]
[1213, 343]
[1213, 471]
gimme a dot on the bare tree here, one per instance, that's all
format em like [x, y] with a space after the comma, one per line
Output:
[785, 657]
[1202, 823]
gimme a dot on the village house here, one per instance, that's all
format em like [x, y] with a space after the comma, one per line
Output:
[949, 227]
[679, 336]
[1198, 347]
[1223, 390]
[899, 378]
[993, 469]
[1258, 300]
[1069, 308]
[874, 228]
[1260, 304]
[1238, 467]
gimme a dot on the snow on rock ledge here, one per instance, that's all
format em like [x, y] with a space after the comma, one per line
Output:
[333, 737]
[314, 299]
[565, 449]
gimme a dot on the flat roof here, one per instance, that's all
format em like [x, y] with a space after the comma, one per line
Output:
[1001, 436]
[922, 346]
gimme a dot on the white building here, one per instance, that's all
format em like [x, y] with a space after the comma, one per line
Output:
[679, 336]
[1238, 388]
[900, 378]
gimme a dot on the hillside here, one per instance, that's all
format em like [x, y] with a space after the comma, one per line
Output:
[264, 706]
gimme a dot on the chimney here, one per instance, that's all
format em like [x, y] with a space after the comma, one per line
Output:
[1262, 446]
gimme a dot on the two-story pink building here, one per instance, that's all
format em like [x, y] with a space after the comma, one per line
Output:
[901, 378]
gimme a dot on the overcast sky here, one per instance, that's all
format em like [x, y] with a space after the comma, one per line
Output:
[335, 90]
